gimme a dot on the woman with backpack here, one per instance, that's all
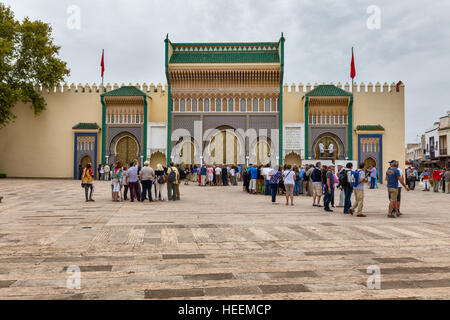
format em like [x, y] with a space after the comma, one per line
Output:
[289, 182]
[116, 179]
[87, 181]
[160, 183]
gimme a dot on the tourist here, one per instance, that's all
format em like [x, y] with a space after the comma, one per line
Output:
[436, 176]
[233, 175]
[160, 183]
[265, 173]
[80, 171]
[195, 174]
[218, 173]
[146, 176]
[297, 180]
[289, 182]
[444, 171]
[329, 189]
[281, 187]
[239, 172]
[324, 170]
[316, 179]
[187, 174]
[301, 176]
[260, 181]
[341, 193]
[275, 177]
[412, 178]
[425, 176]
[87, 182]
[447, 181]
[210, 173]
[345, 177]
[172, 180]
[102, 172]
[309, 180]
[203, 175]
[246, 179]
[253, 178]
[107, 172]
[336, 181]
[224, 175]
[133, 181]
[393, 177]
[98, 171]
[124, 184]
[116, 179]
[177, 185]
[358, 188]
[373, 177]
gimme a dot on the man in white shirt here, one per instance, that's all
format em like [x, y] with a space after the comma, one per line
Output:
[321, 149]
[331, 149]
[218, 172]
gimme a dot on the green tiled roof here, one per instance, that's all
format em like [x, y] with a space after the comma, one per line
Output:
[86, 126]
[328, 90]
[225, 52]
[129, 91]
[370, 127]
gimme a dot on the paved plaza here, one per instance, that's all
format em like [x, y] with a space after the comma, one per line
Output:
[217, 243]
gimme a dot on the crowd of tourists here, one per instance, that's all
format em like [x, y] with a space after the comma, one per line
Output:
[431, 178]
[141, 183]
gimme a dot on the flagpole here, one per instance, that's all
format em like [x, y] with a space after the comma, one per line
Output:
[352, 78]
[103, 88]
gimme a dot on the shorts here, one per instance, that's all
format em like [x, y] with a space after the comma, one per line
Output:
[252, 184]
[210, 177]
[317, 189]
[393, 194]
[116, 187]
[289, 189]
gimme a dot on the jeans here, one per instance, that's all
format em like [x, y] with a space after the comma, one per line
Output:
[146, 189]
[300, 186]
[274, 191]
[134, 191]
[224, 180]
[372, 183]
[347, 198]
[88, 186]
[267, 187]
[125, 192]
[297, 187]
[327, 197]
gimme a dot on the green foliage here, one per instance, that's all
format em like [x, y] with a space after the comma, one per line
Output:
[28, 58]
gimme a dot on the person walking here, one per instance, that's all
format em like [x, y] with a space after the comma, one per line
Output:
[87, 182]
[436, 176]
[393, 177]
[358, 188]
[146, 176]
[275, 177]
[341, 189]
[133, 182]
[172, 180]
[345, 178]
[289, 183]
[447, 181]
[316, 179]
[329, 189]
[116, 178]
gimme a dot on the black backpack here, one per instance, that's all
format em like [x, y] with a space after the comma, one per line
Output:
[161, 179]
[172, 175]
[343, 178]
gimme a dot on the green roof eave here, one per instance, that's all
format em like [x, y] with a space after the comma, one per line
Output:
[125, 91]
[328, 90]
[221, 44]
[86, 126]
[225, 57]
[375, 127]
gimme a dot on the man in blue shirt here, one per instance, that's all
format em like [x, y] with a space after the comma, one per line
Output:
[301, 175]
[203, 175]
[393, 177]
[253, 178]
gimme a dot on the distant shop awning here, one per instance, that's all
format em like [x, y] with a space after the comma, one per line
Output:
[86, 126]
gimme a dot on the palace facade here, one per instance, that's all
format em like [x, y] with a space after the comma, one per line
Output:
[224, 103]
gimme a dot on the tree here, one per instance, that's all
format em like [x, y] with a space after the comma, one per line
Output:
[28, 58]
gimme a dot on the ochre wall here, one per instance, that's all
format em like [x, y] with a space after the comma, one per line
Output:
[42, 146]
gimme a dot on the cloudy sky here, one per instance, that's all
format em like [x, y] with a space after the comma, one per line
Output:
[412, 43]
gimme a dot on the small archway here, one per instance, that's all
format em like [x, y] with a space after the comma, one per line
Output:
[157, 157]
[293, 159]
[369, 161]
[85, 160]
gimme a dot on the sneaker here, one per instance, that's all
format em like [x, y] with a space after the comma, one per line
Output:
[328, 210]
[361, 215]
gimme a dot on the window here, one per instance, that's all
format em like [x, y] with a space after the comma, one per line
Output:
[314, 119]
[341, 119]
[323, 119]
[331, 119]
[129, 118]
[243, 105]
[267, 105]
[218, 105]
[183, 105]
[138, 119]
[121, 118]
[112, 118]
[255, 105]
[194, 105]
[230, 105]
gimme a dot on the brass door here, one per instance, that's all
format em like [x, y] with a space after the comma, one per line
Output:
[370, 162]
[85, 160]
[326, 141]
[126, 150]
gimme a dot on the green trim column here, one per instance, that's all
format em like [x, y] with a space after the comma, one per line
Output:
[306, 128]
[350, 129]
[169, 102]
[280, 104]
[102, 99]
[144, 145]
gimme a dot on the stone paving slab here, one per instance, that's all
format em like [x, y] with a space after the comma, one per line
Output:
[217, 243]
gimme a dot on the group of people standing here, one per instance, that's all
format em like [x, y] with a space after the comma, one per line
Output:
[435, 178]
[215, 175]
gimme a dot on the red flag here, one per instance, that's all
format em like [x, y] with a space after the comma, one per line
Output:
[102, 64]
[352, 66]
